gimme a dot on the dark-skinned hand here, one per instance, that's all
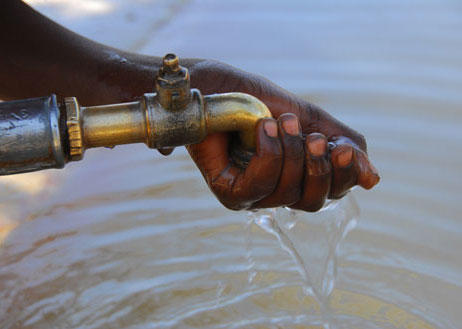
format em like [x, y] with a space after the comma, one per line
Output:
[304, 156]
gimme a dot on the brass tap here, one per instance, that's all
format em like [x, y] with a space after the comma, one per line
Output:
[33, 136]
[175, 115]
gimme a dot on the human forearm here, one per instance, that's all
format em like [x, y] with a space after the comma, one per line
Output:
[39, 57]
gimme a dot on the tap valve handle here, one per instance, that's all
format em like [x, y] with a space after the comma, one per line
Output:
[172, 84]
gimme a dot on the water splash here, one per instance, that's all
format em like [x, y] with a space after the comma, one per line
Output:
[312, 241]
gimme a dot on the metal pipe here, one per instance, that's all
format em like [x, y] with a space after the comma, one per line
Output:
[114, 125]
[30, 135]
[147, 121]
[175, 115]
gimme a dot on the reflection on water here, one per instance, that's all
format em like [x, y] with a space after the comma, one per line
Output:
[129, 239]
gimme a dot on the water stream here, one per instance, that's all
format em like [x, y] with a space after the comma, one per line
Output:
[313, 242]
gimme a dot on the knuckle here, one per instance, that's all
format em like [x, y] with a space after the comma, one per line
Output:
[311, 116]
[361, 141]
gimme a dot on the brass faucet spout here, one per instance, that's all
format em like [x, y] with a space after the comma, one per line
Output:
[147, 121]
[235, 112]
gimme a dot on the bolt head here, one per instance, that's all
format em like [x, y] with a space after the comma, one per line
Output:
[172, 84]
[170, 63]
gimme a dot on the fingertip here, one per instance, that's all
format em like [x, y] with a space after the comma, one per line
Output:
[262, 173]
[318, 174]
[368, 181]
[369, 178]
[289, 185]
[374, 170]
[270, 127]
[317, 144]
[268, 144]
[368, 174]
[342, 155]
[289, 124]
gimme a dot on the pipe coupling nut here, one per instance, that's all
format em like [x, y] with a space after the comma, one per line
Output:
[74, 129]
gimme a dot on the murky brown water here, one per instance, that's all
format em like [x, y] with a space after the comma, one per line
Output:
[129, 239]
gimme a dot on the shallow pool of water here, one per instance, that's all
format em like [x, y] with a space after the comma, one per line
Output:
[129, 239]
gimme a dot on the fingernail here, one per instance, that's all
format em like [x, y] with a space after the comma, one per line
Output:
[345, 157]
[375, 175]
[291, 127]
[271, 128]
[317, 147]
[373, 169]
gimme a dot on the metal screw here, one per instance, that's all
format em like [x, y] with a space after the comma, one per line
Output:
[170, 63]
